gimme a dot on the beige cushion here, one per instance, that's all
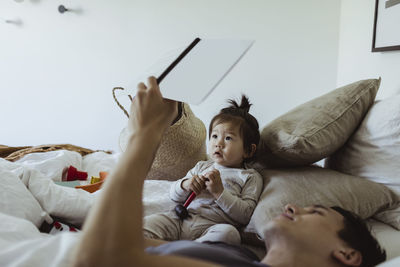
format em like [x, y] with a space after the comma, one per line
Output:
[306, 186]
[316, 129]
[373, 151]
[182, 146]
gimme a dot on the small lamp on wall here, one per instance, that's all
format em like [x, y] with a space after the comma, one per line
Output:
[76, 10]
[62, 9]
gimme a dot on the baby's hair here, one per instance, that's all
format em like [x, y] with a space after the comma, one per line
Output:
[239, 114]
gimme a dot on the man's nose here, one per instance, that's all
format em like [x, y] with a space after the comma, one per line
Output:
[292, 209]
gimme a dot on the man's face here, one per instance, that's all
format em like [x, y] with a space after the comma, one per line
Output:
[315, 227]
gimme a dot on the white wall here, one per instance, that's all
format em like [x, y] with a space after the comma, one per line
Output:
[57, 70]
[356, 61]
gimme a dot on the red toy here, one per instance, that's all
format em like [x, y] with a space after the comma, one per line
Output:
[72, 174]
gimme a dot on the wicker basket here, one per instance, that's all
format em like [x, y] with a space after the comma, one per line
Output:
[182, 145]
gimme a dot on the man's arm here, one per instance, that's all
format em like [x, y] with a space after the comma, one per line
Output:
[112, 234]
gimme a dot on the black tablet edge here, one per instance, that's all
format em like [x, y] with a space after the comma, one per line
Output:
[177, 60]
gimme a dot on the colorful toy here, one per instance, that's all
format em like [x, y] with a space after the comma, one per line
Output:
[59, 227]
[72, 174]
[93, 187]
[94, 180]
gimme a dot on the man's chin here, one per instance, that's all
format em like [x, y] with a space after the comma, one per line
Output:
[275, 225]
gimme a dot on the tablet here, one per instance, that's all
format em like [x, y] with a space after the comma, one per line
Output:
[198, 69]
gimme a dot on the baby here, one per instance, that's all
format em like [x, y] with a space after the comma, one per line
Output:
[227, 190]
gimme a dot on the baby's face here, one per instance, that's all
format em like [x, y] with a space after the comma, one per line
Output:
[226, 145]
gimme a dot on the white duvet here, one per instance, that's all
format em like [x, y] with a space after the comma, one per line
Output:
[28, 194]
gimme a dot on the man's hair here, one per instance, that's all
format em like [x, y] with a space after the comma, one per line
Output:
[358, 236]
[248, 125]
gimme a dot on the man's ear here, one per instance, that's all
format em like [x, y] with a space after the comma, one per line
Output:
[348, 256]
[252, 151]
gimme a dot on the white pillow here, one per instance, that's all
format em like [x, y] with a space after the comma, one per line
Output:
[392, 263]
[16, 200]
[388, 238]
[373, 151]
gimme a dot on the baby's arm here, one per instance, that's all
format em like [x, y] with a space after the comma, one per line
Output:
[240, 208]
[191, 182]
[177, 193]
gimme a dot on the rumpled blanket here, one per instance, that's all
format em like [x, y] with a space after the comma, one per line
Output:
[21, 243]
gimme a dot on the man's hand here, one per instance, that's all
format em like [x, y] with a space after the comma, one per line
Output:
[213, 183]
[149, 110]
[195, 184]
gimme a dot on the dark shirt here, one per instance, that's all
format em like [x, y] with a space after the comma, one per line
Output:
[216, 252]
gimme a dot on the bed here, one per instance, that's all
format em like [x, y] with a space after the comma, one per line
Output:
[358, 138]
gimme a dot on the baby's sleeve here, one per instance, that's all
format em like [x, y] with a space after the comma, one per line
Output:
[176, 192]
[240, 208]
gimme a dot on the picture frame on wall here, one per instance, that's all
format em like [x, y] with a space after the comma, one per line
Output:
[386, 35]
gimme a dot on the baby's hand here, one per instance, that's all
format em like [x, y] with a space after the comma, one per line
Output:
[195, 184]
[213, 183]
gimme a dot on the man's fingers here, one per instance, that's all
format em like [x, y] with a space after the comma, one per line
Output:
[141, 86]
[152, 81]
[153, 85]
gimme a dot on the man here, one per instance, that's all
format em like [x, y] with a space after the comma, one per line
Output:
[313, 236]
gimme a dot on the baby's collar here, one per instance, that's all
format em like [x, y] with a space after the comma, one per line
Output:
[221, 167]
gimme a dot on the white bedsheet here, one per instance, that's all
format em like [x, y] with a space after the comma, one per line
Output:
[21, 244]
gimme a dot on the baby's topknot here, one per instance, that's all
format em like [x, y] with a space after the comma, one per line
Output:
[244, 104]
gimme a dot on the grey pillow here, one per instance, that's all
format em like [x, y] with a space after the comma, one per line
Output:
[316, 129]
[310, 185]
